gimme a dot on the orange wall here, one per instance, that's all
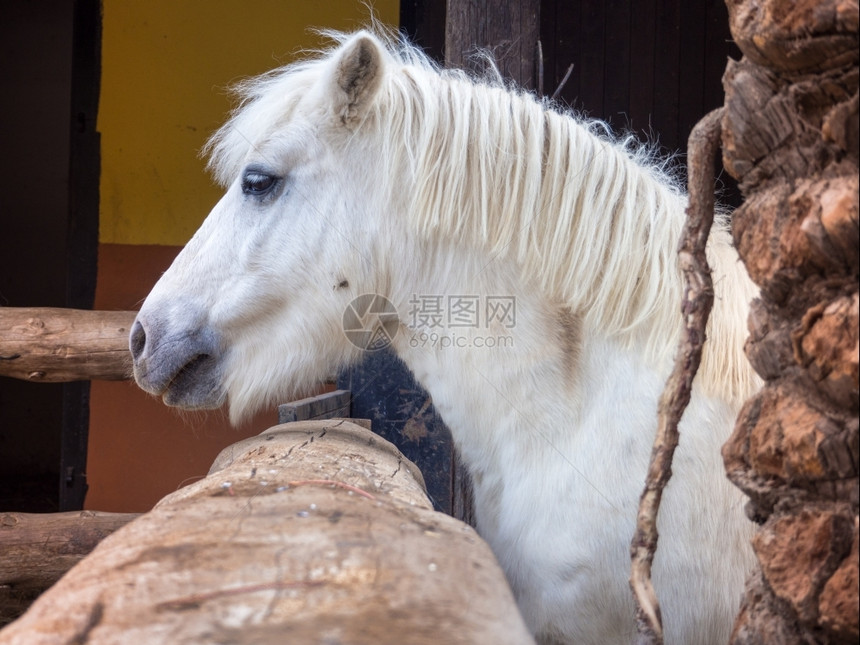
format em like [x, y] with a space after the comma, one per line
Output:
[139, 449]
[165, 67]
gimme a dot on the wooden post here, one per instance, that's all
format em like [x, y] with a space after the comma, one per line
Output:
[51, 345]
[509, 29]
[313, 531]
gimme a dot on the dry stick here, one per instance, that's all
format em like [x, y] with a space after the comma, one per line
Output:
[563, 83]
[695, 307]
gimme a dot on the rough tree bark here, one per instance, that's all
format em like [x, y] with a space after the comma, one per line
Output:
[312, 532]
[790, 136]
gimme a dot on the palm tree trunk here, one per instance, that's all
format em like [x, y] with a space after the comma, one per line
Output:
[790, 136]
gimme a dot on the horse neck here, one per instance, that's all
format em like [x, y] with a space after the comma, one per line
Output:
[586, 217]
[589, 223]
[477, 379]
[485, 392]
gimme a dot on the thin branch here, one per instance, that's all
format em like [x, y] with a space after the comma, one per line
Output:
[563, 83]
[539, 66]
[696, 306]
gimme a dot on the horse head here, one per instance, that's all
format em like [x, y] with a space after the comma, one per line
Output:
[251, 308]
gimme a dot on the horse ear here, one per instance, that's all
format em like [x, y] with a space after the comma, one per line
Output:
[358, 73]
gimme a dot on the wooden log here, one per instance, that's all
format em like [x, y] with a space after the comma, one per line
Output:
[50, 345]
[36, 549]
[314, 531]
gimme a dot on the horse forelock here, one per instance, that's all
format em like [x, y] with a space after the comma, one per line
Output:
[593, 220]
[262, 102]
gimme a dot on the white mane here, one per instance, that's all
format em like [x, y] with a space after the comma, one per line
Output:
[592, 221]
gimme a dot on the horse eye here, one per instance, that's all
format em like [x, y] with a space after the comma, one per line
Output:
[258, 183]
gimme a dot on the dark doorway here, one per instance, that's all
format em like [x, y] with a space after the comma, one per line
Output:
[49, 223]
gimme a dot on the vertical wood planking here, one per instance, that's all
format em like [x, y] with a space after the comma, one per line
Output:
[591, 59]
[561, 28]
[642, 52]
[667, 53]
[691, 68]
[424, 21]
[616, 65]
[549, 39]
[509, 29]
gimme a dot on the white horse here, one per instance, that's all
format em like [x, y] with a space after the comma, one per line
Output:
[367, 170]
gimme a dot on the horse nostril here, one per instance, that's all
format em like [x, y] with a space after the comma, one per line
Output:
[137, 340]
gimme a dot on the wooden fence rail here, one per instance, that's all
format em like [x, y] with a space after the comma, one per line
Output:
[36, 549]
[53, 345]
[313, 531]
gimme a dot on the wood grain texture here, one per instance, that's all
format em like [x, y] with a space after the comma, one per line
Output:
[50, 345]
[508, 29]
[36, 549]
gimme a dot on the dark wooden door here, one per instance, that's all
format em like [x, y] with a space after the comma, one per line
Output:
[49, 179]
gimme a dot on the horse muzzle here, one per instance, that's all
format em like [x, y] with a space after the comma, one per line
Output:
[181, 366]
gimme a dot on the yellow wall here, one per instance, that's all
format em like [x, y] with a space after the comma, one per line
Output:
[165, 67]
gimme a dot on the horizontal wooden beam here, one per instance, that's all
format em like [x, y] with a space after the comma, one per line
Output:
[54, 345]
[330, 405]
[36, 549]
[311, 529]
